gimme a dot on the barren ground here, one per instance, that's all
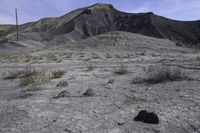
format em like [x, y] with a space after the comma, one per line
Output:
[117, 99]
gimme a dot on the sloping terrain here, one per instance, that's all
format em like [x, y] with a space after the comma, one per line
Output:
[102, 18]
[113, 67]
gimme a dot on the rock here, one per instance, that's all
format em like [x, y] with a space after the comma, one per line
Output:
[89, 92]
[120, 123]
[147, 117]
[111, 81]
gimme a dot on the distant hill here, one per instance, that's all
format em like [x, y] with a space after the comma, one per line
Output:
[101, 18]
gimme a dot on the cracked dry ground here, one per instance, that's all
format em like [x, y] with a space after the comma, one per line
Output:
[116, 101]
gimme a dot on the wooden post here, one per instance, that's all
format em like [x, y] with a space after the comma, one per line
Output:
[17, 26]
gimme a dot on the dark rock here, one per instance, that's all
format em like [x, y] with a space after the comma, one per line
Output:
[147, 117]
[89, 92]
[120, 123]
[111, 81]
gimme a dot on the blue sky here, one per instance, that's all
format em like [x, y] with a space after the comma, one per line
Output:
[32, 10]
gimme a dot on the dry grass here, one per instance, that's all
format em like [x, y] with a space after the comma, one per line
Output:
[164, 73]
[35, 76]
[90, 67]
[121, 70]
[57, 74]
[135, 97]
[62, 84]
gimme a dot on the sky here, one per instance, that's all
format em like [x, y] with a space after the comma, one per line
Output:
[33, 10]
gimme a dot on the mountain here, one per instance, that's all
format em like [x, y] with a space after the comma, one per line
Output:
[102, 18]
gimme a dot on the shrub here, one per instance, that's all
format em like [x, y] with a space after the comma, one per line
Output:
[164, 73]
[19, 73]
[33, 76]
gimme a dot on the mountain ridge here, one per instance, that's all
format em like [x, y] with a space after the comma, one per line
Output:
[101, 18]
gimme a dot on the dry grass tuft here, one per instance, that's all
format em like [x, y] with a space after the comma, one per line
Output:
[164, 73]
[121, 70]
[33, 76]
[90, 67]
[57, 74]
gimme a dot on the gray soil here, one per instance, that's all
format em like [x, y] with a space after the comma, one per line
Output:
[113, 100]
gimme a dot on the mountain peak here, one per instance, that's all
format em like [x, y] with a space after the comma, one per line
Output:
[98, 6]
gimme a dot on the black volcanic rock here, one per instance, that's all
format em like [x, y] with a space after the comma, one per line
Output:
[147, 117]
[101, 18]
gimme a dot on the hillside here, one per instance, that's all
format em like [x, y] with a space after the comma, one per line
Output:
[102, 18]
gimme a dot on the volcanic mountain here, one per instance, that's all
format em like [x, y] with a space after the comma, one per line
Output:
[102, 18]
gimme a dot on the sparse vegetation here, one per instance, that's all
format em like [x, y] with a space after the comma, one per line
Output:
[95, 56]
[198, 58]
[179, 43]
[120, 71]
[108, 55]
[62, 84]
[164, 73]
[62, 94]
[135, 97]
[11, 75]
[33, 76]
[57, 74]
[90, 67]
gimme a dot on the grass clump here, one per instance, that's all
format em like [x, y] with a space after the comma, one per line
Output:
[90, 67]
[11, 75]
[121, 70]
[62, 84]
[57, 74]
[33, 76]
[164, 73]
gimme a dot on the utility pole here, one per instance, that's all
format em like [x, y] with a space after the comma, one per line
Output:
[17, 26]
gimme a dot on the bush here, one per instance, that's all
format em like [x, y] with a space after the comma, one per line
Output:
[33, 76]
[164, 73]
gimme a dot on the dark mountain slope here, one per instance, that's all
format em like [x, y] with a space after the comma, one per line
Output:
[102, 18]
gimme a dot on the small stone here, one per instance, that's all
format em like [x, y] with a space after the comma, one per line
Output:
[147, 117]
[89, 92]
